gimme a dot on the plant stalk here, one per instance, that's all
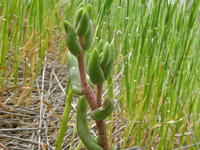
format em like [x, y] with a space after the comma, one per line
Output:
[91, 98]
[87, 90]
[99, 94]
[101, 126]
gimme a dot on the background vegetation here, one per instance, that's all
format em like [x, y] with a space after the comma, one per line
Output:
[155, 84]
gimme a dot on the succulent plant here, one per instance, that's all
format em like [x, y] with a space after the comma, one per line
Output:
[79, 39]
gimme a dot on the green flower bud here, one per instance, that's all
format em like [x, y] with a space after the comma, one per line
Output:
[82, 127]
[104, 111]
[108, 69]
[71, 39]
[88, 38]
[106, 55]
[94, 69]
[83, 24]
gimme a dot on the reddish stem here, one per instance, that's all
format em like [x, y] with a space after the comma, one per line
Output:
[99, 94]
[89, 94]
[87, 90]
[101, 126]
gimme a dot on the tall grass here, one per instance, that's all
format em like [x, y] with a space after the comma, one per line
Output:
[159, 70]
[157, 50]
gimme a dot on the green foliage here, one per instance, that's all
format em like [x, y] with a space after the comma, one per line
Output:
[89, 10]
[103, 62]
[104, 111]
[66, 113]
[74, 74]
[94, 69]
[84, 29]
[157, 52]
[106, 54]
[112, 147]
[71, 39]
[80, 5]
[88, 38]
[107, 70]
[89, 81]
[100, 46]
[83, 25]
[78, 16]
[98, 140]
[82, 126]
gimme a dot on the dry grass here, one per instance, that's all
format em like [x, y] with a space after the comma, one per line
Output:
[24, 127]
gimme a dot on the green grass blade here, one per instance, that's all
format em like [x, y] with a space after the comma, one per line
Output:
[65, 118]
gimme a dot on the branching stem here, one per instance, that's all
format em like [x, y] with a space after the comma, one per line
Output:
[87, 90]
[93, 102]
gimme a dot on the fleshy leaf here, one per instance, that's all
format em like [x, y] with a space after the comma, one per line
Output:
[94, 69]
[83, 24]
[100, 46]
[74, 74]
[77, 17]
[109, 68]
[104, 111]
[105, 55]
[82, 127]
[88, 38]
[89, 10]
[71, 39]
